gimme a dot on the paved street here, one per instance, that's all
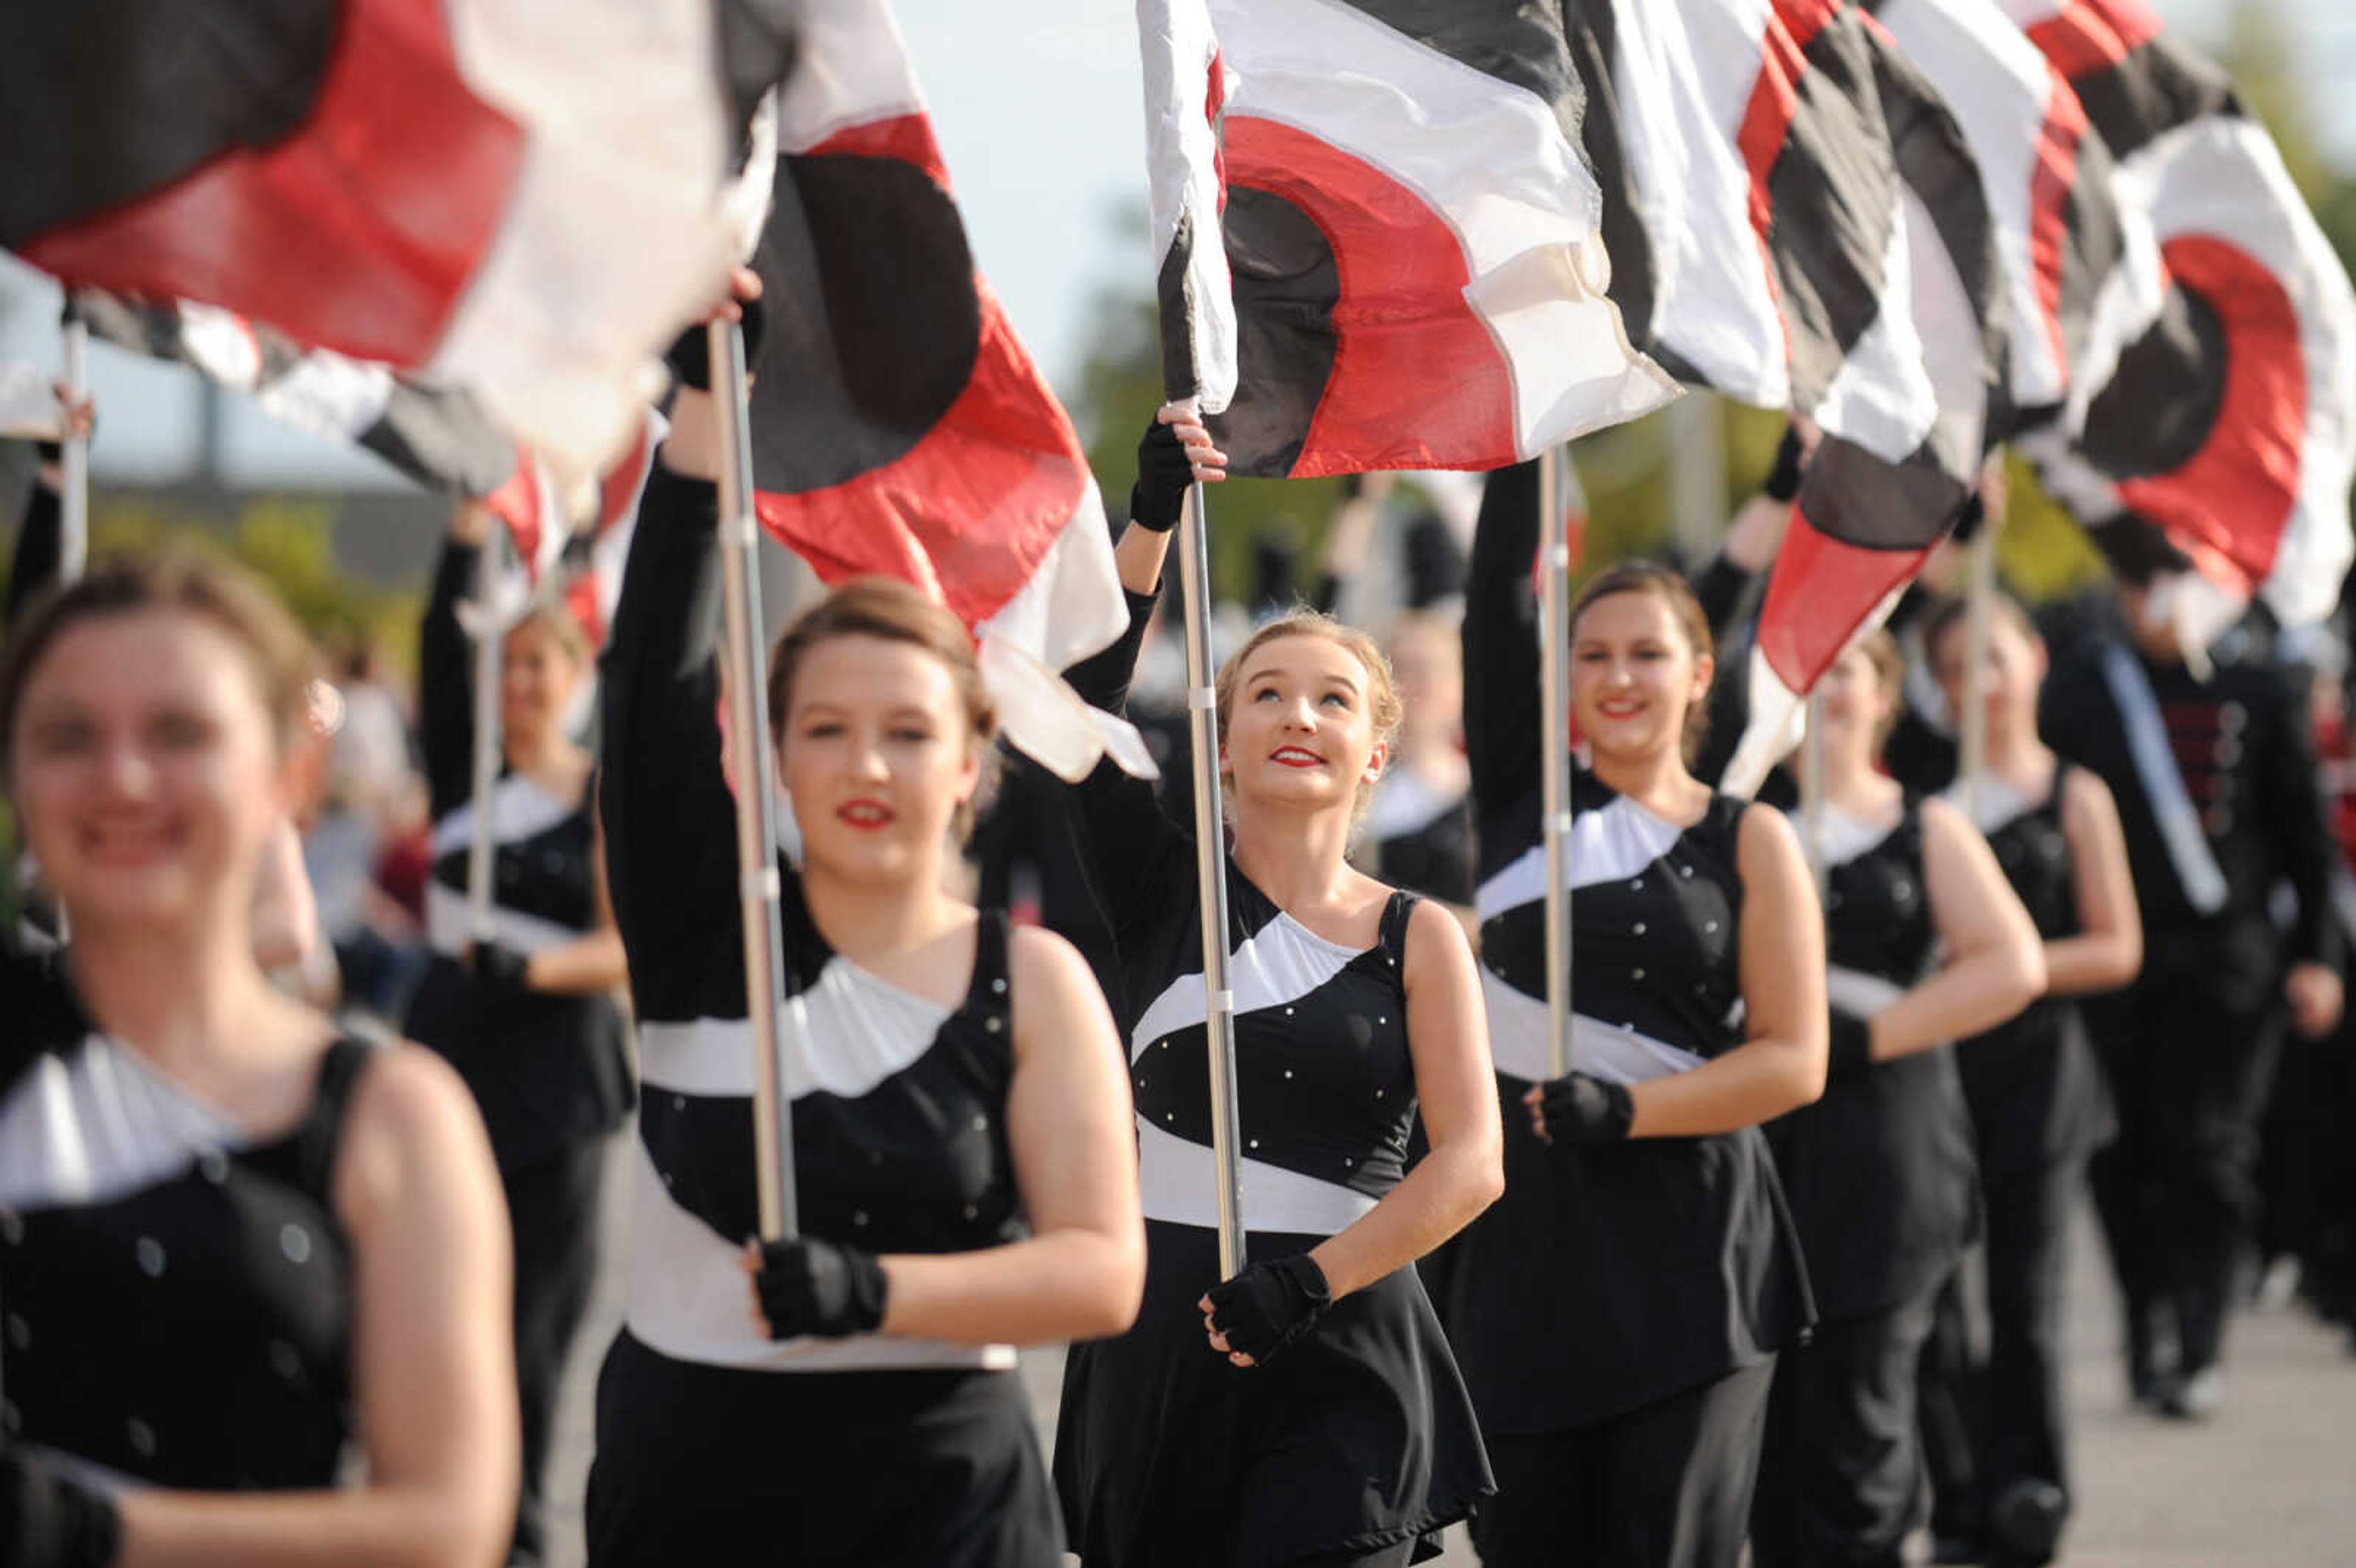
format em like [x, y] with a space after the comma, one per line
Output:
[2271, 1484]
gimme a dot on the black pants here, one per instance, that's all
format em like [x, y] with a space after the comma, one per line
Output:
[2190, 1061]
[2009, 1409]
[1664, 1486]
[1840, 1481]
[552, 1206]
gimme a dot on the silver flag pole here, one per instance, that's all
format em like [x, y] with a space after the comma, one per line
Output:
[1210, 870]
[1811, 790]
[1554, 751]
[753, 768]
[490, 652]
[73, 506]
[1971, 724]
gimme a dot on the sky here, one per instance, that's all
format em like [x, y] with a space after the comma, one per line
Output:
[1037, 106]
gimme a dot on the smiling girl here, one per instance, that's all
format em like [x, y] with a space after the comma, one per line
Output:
[1307, 1411]
[1620, 1312]
[959, 1128]
[233, 1244]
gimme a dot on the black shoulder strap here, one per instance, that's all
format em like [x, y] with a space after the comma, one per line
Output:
[322, 1134]
[1394, 932]
[989, 987]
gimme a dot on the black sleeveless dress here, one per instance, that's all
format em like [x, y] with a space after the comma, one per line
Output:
[1358, 1437]
[2036, 1092]
[1881, 1174]
[127, 1205]
[715, 1443]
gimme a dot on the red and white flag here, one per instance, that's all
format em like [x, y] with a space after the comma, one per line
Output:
[2231, 425]
[898, 425]
[518, 197]
[1419, 277]
[1185, 102]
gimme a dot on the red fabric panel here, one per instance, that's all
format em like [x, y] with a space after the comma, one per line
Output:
[1417, 381]
[617, 489]
[2049, 202]
[580, 599]
[907, 137]
[2227, 504]
[2088, 36]
[1821, 593]
[358, 233]
[969, 511]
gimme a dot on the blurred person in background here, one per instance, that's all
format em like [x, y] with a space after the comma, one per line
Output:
[529, 1013]
[316, 1218]
[2214, 775]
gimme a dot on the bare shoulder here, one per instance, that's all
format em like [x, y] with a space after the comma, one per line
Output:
[1435, 935]
[411, 1115]
[1944, 827]
[2086, 798]
[1765, 843]
[1041, 961]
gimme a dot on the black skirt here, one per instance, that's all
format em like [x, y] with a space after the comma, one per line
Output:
[1358, 1437]
[887, 1469]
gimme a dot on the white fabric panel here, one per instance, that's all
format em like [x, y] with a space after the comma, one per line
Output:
[450, 926]
[1182, 149]
[1518, 1040]
[1684, 71]
[1282, 962]
[689, 1299]
[1609, 844]
[1492, 160]
[1882, 399]
[1178, 1181]
[520, 809]
[1844, 837]
[29, 408]
[329, 395]
[852, 70]
[845, 1035]
[97, 1124]
[1993, 803]
[613, 233]
[1997, 86]
[1858, 994]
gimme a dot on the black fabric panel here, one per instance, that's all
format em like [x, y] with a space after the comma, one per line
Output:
[758, 41]
[442, 439]
[2092, 243]
[874, 322]
[1286, 287]
[546, 876]
[1852, 496]
[1593, 46]
[2162, 406]
[1180, 377]
[2158, 87]
[1834, 194]
[1516, 41]
[126, 97]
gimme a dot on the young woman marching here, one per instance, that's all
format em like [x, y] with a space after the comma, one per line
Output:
[847, 1397]
[527, 1018]
[1927, 944]
[1306, 1411]
[1620, 1312]
[233, 1245]
[2037, 1102]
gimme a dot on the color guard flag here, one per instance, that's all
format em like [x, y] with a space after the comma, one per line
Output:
[1419, 277]
[519, 197]
[898, 426]
[2230, 423]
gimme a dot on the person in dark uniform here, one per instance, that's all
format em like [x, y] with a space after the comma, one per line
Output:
[2039, 1105]
[1307, 1411]
[529, 1015]
[315, 1220]
[1418, 827]
[1620, 1311]
[958, 1123]
[1926, 945]
[2215, 780]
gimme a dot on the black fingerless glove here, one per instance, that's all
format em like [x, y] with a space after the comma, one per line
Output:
[1164, 476]
[1783, 483]
[48, 1521]
[810, 1286]
[1970, 517]
[1852, 1048]
[690, 357]
[1583, 1111]
[501, 966]
[1270, 1306]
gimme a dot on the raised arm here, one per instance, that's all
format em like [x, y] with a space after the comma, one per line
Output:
[1780, 1064]
[1994, 964]
[446, 664]
[663, 800]
[2107, 951]
[1501, 642]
